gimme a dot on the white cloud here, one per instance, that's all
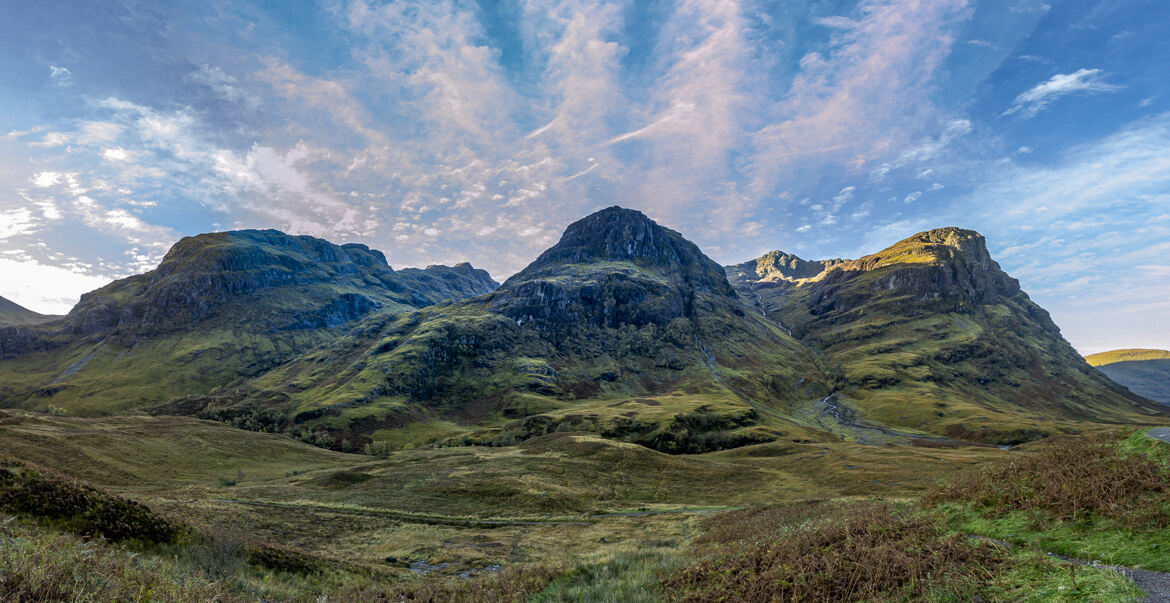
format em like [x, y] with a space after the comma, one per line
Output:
[44, 288]
[115, 154]
[982, 44]
[52, 139]
[46, 179]
[1040, 96]
[16, 222]
[61, 75]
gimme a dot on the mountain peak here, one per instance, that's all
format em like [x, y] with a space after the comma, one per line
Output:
[617, 234]
[967, 243]
[611, 234]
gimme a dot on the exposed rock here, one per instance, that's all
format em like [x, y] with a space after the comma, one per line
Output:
[612, 268]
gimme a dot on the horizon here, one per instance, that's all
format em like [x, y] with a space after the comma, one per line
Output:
[477, 131]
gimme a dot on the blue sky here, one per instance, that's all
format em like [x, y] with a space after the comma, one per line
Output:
[447, 131]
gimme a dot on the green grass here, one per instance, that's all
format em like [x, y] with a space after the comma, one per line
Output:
[1102, 497]
[1092, 539]
[1128, 355]
[863, 550]
[633, 577]
[144, 453]
[1034, 577]
[44, 565]
[353, 512]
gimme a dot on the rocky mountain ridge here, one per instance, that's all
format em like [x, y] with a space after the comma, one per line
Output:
[931, 331]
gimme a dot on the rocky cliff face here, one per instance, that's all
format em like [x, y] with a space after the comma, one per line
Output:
[780, 266]
[441, 283]
[617, 234]
[612, 268]
[948, 269]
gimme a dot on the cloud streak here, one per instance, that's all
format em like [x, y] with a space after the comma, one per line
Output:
[1042, 95]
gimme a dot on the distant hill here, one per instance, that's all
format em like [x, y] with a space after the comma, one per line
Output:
[1144, 372]
[931, 334]
[12, 314]
[219, 308]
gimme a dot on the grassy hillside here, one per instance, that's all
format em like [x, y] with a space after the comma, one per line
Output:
[1101, 497]
[219, 309]
[157, 452]
[1128, 355]
[1144, 372]
[13, 314]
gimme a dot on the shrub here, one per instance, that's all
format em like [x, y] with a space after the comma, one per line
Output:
[1070, 478]
[512, 585]
[41, 565]
[81, 508]
[845, 552]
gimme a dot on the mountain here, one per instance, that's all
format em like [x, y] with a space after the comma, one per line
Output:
[219, 307]
[931, 334]
[1144, 372]
[12, 314]
[622, 328]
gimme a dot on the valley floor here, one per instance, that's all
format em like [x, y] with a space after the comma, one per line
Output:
[571, 516]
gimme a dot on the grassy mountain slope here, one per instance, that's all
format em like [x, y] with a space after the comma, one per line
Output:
[931, 334]
[620, 311]
[13, 314]
[220, 307]
[1144, 372]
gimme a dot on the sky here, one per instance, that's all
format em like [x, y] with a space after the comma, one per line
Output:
[442, 131]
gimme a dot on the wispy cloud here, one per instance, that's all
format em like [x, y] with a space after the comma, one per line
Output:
[448, 130]
[61, 75]
[856, 97]
[1097, 213]
[1042, 95]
